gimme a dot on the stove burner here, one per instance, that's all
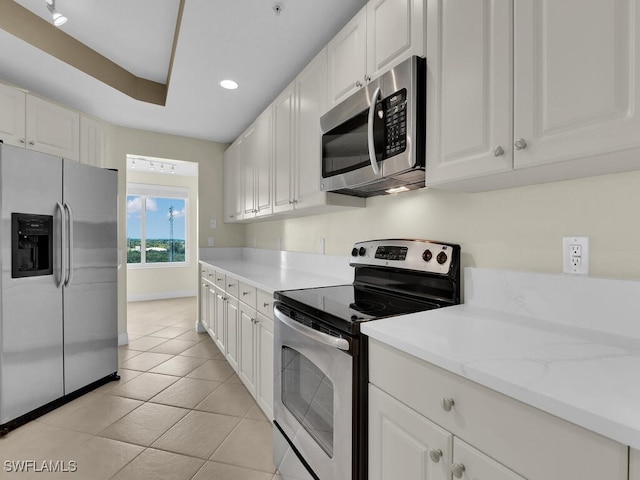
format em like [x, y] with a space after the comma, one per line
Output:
[369, 307]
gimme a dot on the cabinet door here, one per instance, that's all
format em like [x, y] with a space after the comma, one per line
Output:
[92, 142]
[212, 300]
[233, 182]
[52, 129]
[248, 172]
[469, 89]
[232, 329]
[347, 58]
[219, 334]
[264, 365]
[401, 442]
[395, 31]
[262, 156]
[474, 464]
[311, 104]
[12, 116]
[577, 78]
[204, 302]
[247, 347]
[283, 150]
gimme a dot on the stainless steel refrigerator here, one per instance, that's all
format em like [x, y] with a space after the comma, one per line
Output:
[58, 287]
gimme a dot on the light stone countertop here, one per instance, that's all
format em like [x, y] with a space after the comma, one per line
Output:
[584, 375]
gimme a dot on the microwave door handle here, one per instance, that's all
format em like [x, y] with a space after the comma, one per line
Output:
[328, 340]
[372, 145]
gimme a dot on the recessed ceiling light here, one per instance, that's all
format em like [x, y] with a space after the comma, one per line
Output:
[228, 84]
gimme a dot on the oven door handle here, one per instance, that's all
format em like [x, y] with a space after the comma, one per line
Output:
[372, 145]
[328, 340]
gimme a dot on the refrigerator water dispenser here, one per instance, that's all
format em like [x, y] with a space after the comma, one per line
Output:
[31, 245]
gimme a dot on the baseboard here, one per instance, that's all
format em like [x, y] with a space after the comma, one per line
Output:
[123, 339]
[161, 296]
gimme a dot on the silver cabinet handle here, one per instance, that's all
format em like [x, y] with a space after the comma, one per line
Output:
[520, 144]
[230, 285]
[218, 279]
[266, 304]
[371, 141]
[211, 274]
[323, 338]
[498, 151]
[32, 142]
[458, 469]
[22, 141]
[435, 455]
[367, 78]
[447, 404]
[358, 83]
[245, 293]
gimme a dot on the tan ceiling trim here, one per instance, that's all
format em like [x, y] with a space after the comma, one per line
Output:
[176, 34]
[29, 27]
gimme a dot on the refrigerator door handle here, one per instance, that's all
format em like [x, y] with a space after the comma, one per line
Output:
[67, 282]
[62, 244]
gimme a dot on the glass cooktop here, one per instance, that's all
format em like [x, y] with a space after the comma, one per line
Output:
[345, 306]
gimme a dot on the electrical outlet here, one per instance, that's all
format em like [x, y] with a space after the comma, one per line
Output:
[321, 246]
[575, 255]
[213, 224]
[210, 242]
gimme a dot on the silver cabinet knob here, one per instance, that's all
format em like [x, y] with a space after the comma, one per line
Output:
[358, 83]
[435, 455]
[447, 404]
[457, 469]
[32, 142]
[22, 140]
[367, 78]
[229, 285]
[498, 151]
[520, 144]
[266, 304]
[245, 293]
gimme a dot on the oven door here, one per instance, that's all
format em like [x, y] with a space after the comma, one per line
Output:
[313, 397]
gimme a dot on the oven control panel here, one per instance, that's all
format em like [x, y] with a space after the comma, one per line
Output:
[421, 255]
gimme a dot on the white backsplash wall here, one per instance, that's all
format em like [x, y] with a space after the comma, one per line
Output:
[519, 228]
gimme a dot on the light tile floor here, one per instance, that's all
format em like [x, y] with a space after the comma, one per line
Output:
[179, 412]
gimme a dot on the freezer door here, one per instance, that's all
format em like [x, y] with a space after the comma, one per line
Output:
[90, 197]
[31, 360]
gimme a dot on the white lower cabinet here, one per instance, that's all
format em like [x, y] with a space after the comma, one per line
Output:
[264, 365]
[232, 329]
[403, 444]
[247, 370]
[634, 464]
[494, 437]
[218, 328]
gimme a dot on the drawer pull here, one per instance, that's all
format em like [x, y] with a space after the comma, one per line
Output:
[266, 304]
[230, 285]
[435, 455]
[447, 404]
[458, 469]
[218, 279]
[245, 293]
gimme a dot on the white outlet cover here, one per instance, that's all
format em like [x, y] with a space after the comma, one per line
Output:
[580, 267]
[213, 223]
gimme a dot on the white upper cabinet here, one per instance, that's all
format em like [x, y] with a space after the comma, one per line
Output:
[52, 129]
[469, 89]
[233, 181]
[577, 78]
[347, 58]
[395, 31]
[531, 91]
[12, 116]
[92, 142]
[380, 36]
[283, 150]
[256, 154]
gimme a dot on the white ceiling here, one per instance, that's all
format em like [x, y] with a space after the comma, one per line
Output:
[239, 39]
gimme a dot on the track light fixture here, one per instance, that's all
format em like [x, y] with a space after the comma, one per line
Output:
[58, 18]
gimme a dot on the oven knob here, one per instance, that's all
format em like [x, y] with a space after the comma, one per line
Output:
[354, 252]
[362, 251]
[441, 258]
[427, 255]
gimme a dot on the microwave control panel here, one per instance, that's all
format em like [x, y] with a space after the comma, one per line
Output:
[395, 123]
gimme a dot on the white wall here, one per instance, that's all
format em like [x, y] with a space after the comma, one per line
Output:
[518, 228]
[149, 283]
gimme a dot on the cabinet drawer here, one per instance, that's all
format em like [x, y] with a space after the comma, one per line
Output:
[219, 280]
[203, 270]
[265, 304]
[232, 285]
[247, 294]
[533, 443]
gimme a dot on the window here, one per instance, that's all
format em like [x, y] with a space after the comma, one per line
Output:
[156, 225]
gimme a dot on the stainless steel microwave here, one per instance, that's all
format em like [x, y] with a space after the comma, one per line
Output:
[374, 141]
